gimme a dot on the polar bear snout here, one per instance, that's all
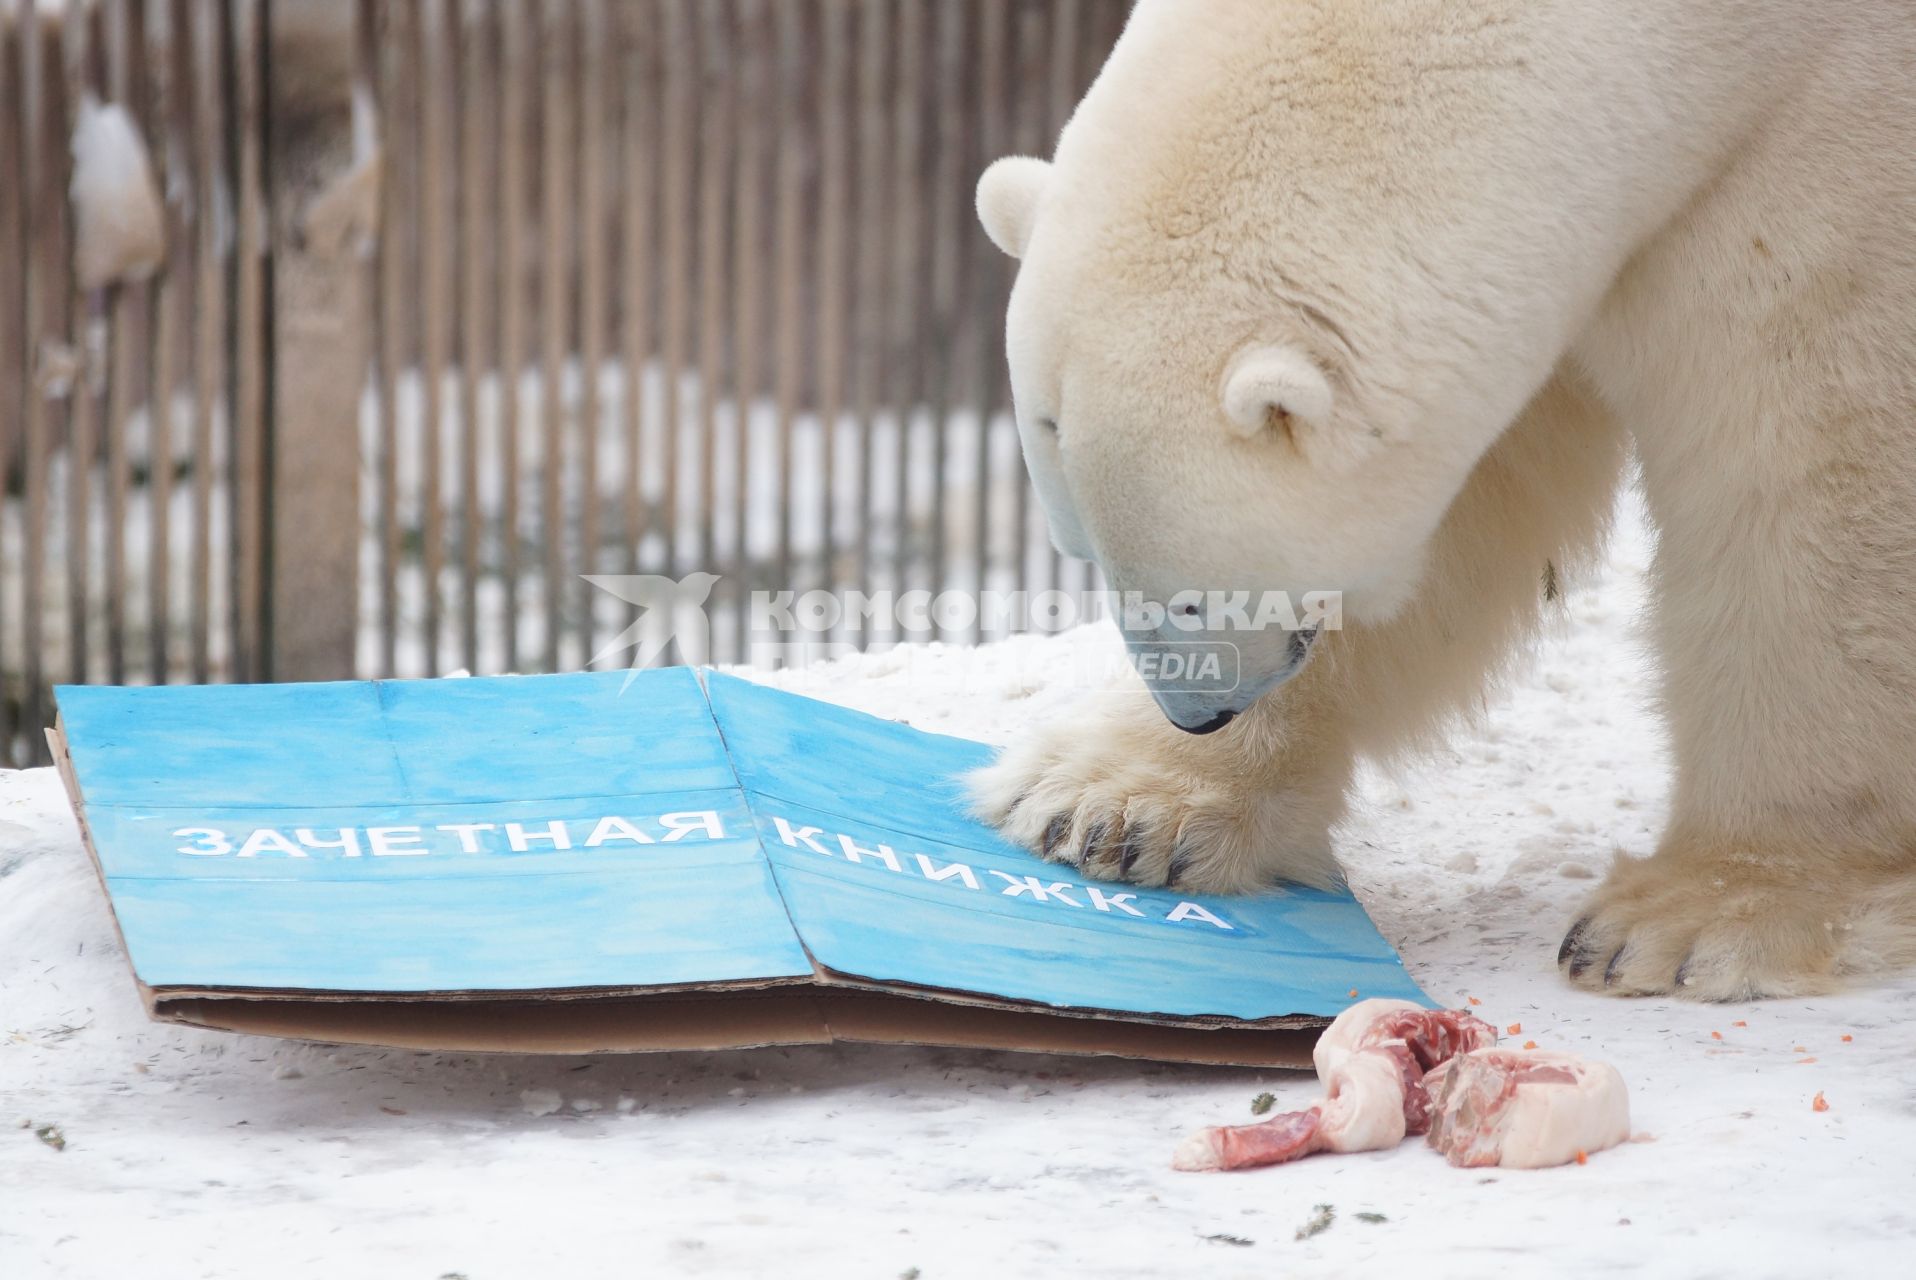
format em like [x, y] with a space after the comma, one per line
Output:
[1201, 685]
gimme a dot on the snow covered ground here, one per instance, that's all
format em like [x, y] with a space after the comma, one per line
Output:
[198, 1154]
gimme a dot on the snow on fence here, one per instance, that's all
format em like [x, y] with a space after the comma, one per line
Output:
[464, 299]
[132, 399]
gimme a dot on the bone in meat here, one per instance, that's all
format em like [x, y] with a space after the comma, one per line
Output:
[1372, 1061]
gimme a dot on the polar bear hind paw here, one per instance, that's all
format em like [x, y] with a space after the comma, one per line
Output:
[1737, 926]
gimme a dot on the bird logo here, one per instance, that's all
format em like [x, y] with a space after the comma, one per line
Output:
[670, 611]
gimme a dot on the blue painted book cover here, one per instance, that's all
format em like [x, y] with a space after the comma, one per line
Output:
[678, 859]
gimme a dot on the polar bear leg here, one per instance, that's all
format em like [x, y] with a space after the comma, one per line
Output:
[1118, 791]
[1782, 616]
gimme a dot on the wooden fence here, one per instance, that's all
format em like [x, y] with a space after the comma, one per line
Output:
[465, 299]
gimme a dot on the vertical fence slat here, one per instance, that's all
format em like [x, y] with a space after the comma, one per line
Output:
[249, 341]
[681, 84]
[907, 299]
[594, 308]
[951, 240]
[836, 125]
[554, 298]
[787, 278]
[53, 361]
[476, 85]
[82, 417]
[987, 288]
[14, 360]
[756, 70]
[513, 186]
[638, 159]
[125, 24]
[716, 87]
[172, 320]
[429, 34]
[875, 279]
[209, 309]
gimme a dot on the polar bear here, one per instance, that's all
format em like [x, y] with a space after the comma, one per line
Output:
[1376, 296]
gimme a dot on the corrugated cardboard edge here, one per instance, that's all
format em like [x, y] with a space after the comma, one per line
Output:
[57, 745]
[741, 1016]
[732, 1020]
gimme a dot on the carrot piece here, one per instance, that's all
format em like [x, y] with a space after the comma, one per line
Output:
[1474, 1000]
[1847, 1039]
[1530, 1044]
[1583, 1157]
[1739, 1024]
[1353, 993]
[1819, 1102]
[1803, 1062]
[1515, 1029]
[1716, 1035]
[1801, 1048]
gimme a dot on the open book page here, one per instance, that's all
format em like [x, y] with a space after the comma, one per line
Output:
[530, 833]
[890, 880]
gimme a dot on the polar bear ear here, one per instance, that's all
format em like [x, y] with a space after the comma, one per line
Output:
[1277, 388]
[1008, 194]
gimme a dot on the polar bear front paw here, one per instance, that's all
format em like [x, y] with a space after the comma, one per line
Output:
[1123, 795]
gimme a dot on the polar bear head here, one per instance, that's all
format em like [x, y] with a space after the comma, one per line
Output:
[1283, 283]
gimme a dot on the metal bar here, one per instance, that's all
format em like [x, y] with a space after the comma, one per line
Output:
[594, 319]
[513, 185]
[555, 179]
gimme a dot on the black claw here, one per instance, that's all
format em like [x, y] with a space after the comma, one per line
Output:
[1015, 805]
[1683, 971]
[1610, 970]
[1093, 842]
[1129, 852]
[1181, 861]
[1571, 941]
[1055, 832]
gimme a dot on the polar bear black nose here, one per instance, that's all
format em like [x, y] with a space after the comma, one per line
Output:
[1212, 725]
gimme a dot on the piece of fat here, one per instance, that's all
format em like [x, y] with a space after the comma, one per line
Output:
[1525, 1109]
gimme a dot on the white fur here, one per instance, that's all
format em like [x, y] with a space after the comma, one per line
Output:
[1008, 195]
[1504, 233]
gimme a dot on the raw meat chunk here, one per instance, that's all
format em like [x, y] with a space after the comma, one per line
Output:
[1372, 1060]
[1525, 1110]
